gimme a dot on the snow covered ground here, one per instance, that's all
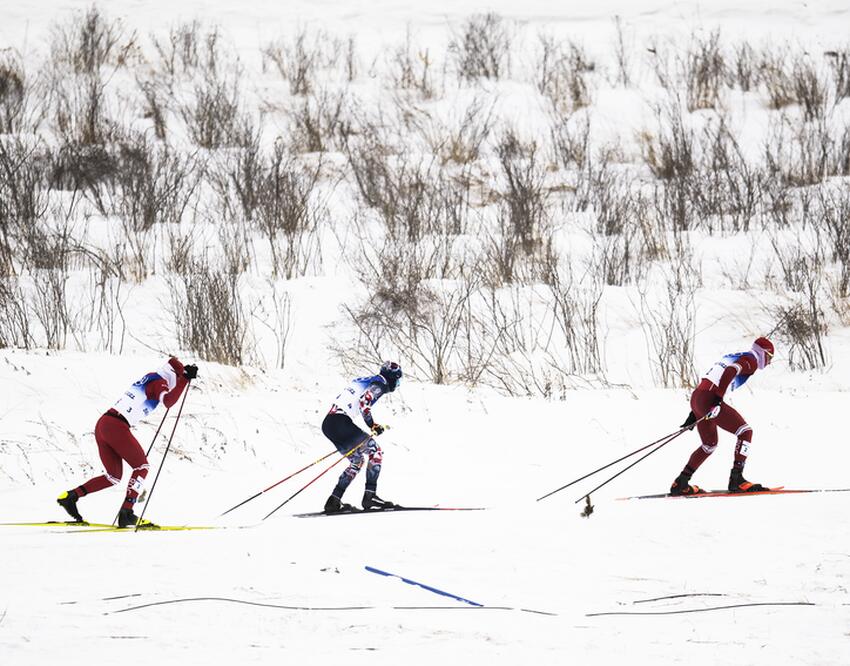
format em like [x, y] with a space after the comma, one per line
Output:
[298, 589]
[749, 580]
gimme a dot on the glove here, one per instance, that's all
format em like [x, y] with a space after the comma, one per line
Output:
[190, 372]
[689, 422]
[378, 429]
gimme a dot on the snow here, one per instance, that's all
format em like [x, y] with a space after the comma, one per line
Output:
[297, 589]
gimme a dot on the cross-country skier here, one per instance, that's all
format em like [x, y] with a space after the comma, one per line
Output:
[115, 442]
[355, 401]
[729, 373]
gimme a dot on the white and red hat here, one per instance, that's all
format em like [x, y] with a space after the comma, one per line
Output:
[763, 349]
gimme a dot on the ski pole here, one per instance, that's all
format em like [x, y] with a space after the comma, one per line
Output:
[156, 434]
[628, 455]
[147, 454]
[320, 475]
[625, 469]
[306, 467]
[162, 462]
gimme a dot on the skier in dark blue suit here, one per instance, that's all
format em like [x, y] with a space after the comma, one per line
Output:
[355, 401]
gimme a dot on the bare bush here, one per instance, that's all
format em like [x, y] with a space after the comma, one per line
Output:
[320, 122]
[13, 93]
[208, 313]
[187, 48]
[23, 200]
[797, 82]
[803, 325]
[704, 70]
[571, 141]
[669, 323]
[561, 71]
[461, 140]
[744, 69]
[299, 63]
[840, 63]
[280, 326]
[624, 77]
[526, 198]
[82, 112]
[482, 49]
[413, 199]
[806, 153]
[410, 69]
[50, 307]
[89, 41]
[575, 305]
[431, 336]
[669, 154]
[834, 214]
[277, 195]
[152, 184]
[213, 112]
[727, 187]
[15, 323]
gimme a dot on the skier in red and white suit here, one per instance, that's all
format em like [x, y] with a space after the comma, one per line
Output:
[116, 443]
[709, 412]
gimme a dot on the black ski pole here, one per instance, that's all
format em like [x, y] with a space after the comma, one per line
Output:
[628, 455]
[156, 434]
[162, 462]
[147, 455]
[625, 469]
[306, 467]
[316, 478]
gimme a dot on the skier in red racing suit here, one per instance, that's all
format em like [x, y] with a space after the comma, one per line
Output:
[116, 443]
[709, 412]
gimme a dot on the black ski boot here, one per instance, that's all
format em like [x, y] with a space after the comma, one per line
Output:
[682, 487]
[738, 484]
[68, 501]
[126, 518]
[371, 502]
[335, 505]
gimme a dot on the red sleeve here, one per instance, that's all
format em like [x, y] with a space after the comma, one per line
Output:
[172, 396]
[155, 389]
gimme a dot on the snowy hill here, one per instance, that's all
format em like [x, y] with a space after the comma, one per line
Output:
[555, 218]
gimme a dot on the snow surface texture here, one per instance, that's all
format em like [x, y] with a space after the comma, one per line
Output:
[744, 581]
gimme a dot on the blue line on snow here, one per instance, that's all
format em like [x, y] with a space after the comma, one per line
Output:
[423, 586]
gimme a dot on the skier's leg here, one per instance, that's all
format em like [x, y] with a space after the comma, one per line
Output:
[131, 451]
[701, 403]
[373, 468]
[731, 421]
[345, 479]
[111, 463]
[107, 429]
[340, 429]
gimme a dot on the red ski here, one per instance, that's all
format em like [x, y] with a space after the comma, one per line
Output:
[779, 490]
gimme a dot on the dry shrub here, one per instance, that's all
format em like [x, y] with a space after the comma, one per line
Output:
[482, 49]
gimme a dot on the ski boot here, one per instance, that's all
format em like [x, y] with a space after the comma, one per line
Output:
[738, 484]
[126, 518]
[682, 487]
[371, 502]
[68, 501]
[335, 505]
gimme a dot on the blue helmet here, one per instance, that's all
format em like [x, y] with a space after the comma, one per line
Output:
[391, 371]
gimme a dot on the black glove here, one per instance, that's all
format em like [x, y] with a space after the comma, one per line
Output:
[190, 372]
[689, 422]
[378, 429]
[717, 400]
